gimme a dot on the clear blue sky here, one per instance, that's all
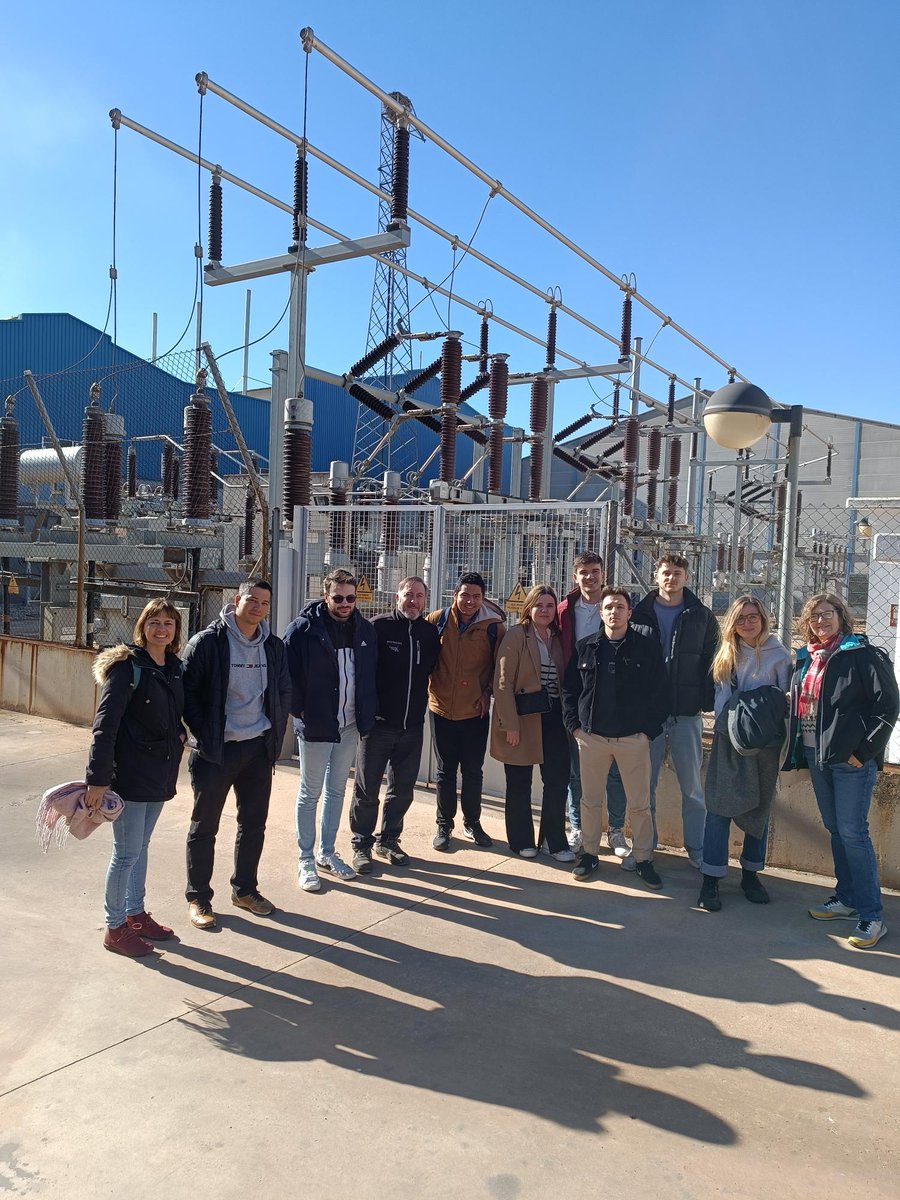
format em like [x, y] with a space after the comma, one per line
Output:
[740, 159]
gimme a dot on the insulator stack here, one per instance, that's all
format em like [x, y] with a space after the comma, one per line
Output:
[573, 428]
[569, 459]
[425, 419]
[498, 396]
[728, 555]
[597, 436]
[478, 383]
[376, 354]
[301, 197]
[551, 338]
[625, 338]
[539, 404]
[651, 497]
[628, 491]
[374, 403]
[741, 558]
[423, 376]
[828, 461]
[613, 449]
[720, 556]
[451, 376]
[197, 439]
[632, 438]
[168, 469]
[93, 469]
[400, 172]
[654, 448]
[249, 519]
[112, 470]
[176, 479]
[780, 499]
[339, 486]
[483, 346]
[132, 472]
[214, 241]
[615, 402]
[9, 464]
[213, 482]
[297, 469]
[673, 474]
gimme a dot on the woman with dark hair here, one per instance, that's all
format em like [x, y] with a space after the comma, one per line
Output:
[741, 788]
[138, 739]
[527, 727]
[844, 705]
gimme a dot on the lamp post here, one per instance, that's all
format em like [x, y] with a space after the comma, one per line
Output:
[736, 417]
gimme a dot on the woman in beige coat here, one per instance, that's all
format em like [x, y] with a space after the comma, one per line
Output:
[530, 666]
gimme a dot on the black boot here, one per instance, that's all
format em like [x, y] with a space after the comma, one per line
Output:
[709, 894]
[752, 888]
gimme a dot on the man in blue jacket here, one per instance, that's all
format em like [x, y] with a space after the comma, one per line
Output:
[331, 654]
[236, 696]
[408, 647]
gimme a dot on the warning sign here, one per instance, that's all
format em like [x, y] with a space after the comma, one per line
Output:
[515, 601]
[363, 591]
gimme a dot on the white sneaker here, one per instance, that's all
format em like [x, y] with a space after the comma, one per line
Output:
[308, 876]
[564, 855]
[618, 843]
[628, 863]
[528, 852]
[335, 865]
[574, 839]
[867, 934]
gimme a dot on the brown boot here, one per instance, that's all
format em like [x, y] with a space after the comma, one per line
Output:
[144, 926]
[124, 940]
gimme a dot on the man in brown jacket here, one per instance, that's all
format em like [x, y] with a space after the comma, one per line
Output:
[459, 700]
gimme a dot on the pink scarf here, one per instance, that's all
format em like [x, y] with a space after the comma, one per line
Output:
[810, 689]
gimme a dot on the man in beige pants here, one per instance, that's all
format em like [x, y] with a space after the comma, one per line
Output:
[615, 699]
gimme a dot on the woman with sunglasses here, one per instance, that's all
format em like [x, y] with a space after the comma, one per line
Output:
[741, 788]
[844, 704]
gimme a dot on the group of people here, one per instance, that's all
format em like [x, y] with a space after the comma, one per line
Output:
[591, 690]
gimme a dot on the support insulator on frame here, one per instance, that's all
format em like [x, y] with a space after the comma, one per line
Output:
[573, 428]
[741, 557]
[652, 483]
[374, 403]
[654, 448]
[670, 408]
[483, 345]
[569, 459]
[9, 464]
[168, 469]
[214, 240]
[720, 556]
[537, 469]
[632, 437]
[615, 402]
[132, 472]
[628, 490]
[451, 376]
[197, 446]
[297, 461]
[176, 479]
[376, 354]
[423, 376]
[673, 473]
[625, 337]
[400, 172]
[613, 449]
[301, 200]
[498, 396]
[93, 469]
[471, 389]
[597, 436]
[551, 337]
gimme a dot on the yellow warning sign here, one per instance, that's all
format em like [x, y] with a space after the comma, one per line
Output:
[363, 591]
[13, 586]
[515, 601]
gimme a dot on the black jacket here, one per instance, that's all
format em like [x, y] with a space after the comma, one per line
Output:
[137, 734]
[207, 668]
[694, 642]
[858, 705]
[315, 681]
[407, 653]
[642, 696]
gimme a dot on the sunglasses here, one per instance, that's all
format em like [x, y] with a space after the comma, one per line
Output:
[343, 599]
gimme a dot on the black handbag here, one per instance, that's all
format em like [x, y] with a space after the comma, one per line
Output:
[528, 703]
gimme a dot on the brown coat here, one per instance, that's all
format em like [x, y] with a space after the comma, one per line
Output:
[519, 670]
[465, 665]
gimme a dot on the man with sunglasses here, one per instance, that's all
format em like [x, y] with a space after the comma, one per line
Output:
[331, 658]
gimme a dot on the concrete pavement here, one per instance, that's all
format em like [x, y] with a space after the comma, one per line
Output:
[474, 1025]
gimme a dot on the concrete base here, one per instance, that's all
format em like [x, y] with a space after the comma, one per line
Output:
[474, 1025]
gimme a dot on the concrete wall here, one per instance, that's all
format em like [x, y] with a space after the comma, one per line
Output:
[44, 679]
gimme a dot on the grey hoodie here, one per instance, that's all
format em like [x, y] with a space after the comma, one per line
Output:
[774, 668]
[245, 716]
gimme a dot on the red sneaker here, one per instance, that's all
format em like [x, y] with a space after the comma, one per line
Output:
[144, 925]
[124, 940]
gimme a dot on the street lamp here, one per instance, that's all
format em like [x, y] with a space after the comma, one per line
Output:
[737, 416]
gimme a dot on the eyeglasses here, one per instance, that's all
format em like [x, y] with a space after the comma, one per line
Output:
[343, 599]
[824, 614]
[748, 619]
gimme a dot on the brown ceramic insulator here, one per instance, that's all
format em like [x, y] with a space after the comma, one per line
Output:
[483, 345]
[176, 479]
[400, 173]
[451, 374]
[498, 390]
[573, 428]
[670, 407]
[495, 463]
[112, 471]
[537, 467]
[132, 472]
[632, 438]
[615, 402]
[297, 486]
[551, 338]
[780, 498]
[167, 468]
[471, 389]
[654, 448]
[93, 464]
[376, 354]
[741, 558]
[673, 474]
[613, 449]
[423, 376]
[628, 490]
[301, 199]
[214, 240]
[625, 337]
[597, 436]
[9, 468]
[651, 498]
[197, 440]
[569, 459]
[720, 556]
[374, 403]
[540, 398]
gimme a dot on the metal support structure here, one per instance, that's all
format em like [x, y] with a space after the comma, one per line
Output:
[695, 477]
[794, 417]
[736, 528]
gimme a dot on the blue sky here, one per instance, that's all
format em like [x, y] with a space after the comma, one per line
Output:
[740, 159]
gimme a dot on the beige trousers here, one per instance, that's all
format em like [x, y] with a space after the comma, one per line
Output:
[632, 756]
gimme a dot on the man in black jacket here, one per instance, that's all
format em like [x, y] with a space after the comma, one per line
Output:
[614, 704]
[688, 634]
[331, 658]
[408, 647]
[236, 696]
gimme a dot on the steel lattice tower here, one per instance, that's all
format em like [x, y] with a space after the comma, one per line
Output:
[390, 308]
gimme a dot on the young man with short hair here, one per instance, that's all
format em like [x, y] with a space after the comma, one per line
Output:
[688, 634]
[331, 657]
[614, 704]
[459, 698]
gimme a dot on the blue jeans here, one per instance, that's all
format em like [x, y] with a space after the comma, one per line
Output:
[715, 847]
[323, 765]
[573, 804]
[127, 873]
[843, 794]
[684, 736]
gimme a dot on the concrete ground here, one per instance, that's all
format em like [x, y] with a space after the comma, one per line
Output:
[473, 1025]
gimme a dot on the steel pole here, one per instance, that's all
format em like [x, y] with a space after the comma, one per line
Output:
[792, 476]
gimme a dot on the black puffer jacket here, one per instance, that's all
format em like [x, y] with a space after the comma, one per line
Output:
[315, 677]
[694, 642]
[639, 681]
[137, 734]
[407, 653]
[207, 669]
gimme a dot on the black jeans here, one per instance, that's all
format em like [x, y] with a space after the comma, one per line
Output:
[459, 745]
[397, 751]
[555, 776]
[247, 769]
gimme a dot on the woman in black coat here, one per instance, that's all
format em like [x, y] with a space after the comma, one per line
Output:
[138, 739]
